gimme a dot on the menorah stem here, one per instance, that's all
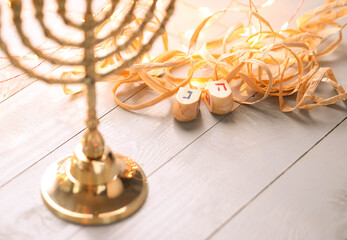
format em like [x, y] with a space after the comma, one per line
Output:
[92, 121]
[93, 143]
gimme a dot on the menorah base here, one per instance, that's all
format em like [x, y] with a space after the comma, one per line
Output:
[93, 192]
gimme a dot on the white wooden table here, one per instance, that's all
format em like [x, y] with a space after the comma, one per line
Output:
[256, 173]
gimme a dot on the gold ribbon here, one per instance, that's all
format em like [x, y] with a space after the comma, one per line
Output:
[272, 63]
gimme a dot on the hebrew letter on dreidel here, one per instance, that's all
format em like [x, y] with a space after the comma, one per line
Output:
[219, 98]
[187, 104]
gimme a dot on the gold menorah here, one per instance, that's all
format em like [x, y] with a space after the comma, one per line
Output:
[91, 186]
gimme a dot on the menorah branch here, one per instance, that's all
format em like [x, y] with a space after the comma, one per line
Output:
[134, 35]
[145, 47]
[127, 19]
[108, 13]
[38, 6]
[62, 13]
[16, 10]
[31, 73]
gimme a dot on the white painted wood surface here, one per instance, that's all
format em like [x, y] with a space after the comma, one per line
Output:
[308, 202]
[256, 173]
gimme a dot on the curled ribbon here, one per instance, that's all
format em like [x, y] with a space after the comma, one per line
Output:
[271, 63]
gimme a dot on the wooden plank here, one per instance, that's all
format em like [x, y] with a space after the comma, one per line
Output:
[308, 202]
[39, 119]
[10, 88]
[197, 190]
[186, 192]
[200, 188]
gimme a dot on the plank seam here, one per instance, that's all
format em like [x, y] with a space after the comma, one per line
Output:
[19, 91]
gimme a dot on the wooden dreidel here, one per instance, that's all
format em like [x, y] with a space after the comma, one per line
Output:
[218, 97]
[187, 104]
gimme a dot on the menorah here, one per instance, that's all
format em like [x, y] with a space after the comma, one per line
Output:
[93, 185]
